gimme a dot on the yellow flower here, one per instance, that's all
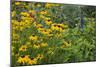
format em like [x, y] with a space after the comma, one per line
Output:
[61, 25]
[46, 31]
[40, 29]
[38, 25]
[20, 60]
[54, 27]
[33, 37]
[44, 44]
[57, 27]
[23, 59]
[15, 22]
[22, 23]
[40, 56]
[48, 22]
[17, 3]
[36, 46]
[23, 48]
[43, 12]
[32, 61]
[26, 58]
[25, 14]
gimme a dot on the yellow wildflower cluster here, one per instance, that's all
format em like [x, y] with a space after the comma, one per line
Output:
[28, 60]
[58, 27]
[45, 31]
[40, 45]
[23, 59]
[34, 31]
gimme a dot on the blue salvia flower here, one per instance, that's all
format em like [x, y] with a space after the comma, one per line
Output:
[82, 23]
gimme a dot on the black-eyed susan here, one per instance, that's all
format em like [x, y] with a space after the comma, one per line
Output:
[23, 48]
[40, 56]
[61, 25]
[46, 32]
[54, 27]
[48, 22]
[58, 27]
[32, 61]
[23, 59]
[40, 29]
[33, 37]
[38, 25]
[20, 60]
